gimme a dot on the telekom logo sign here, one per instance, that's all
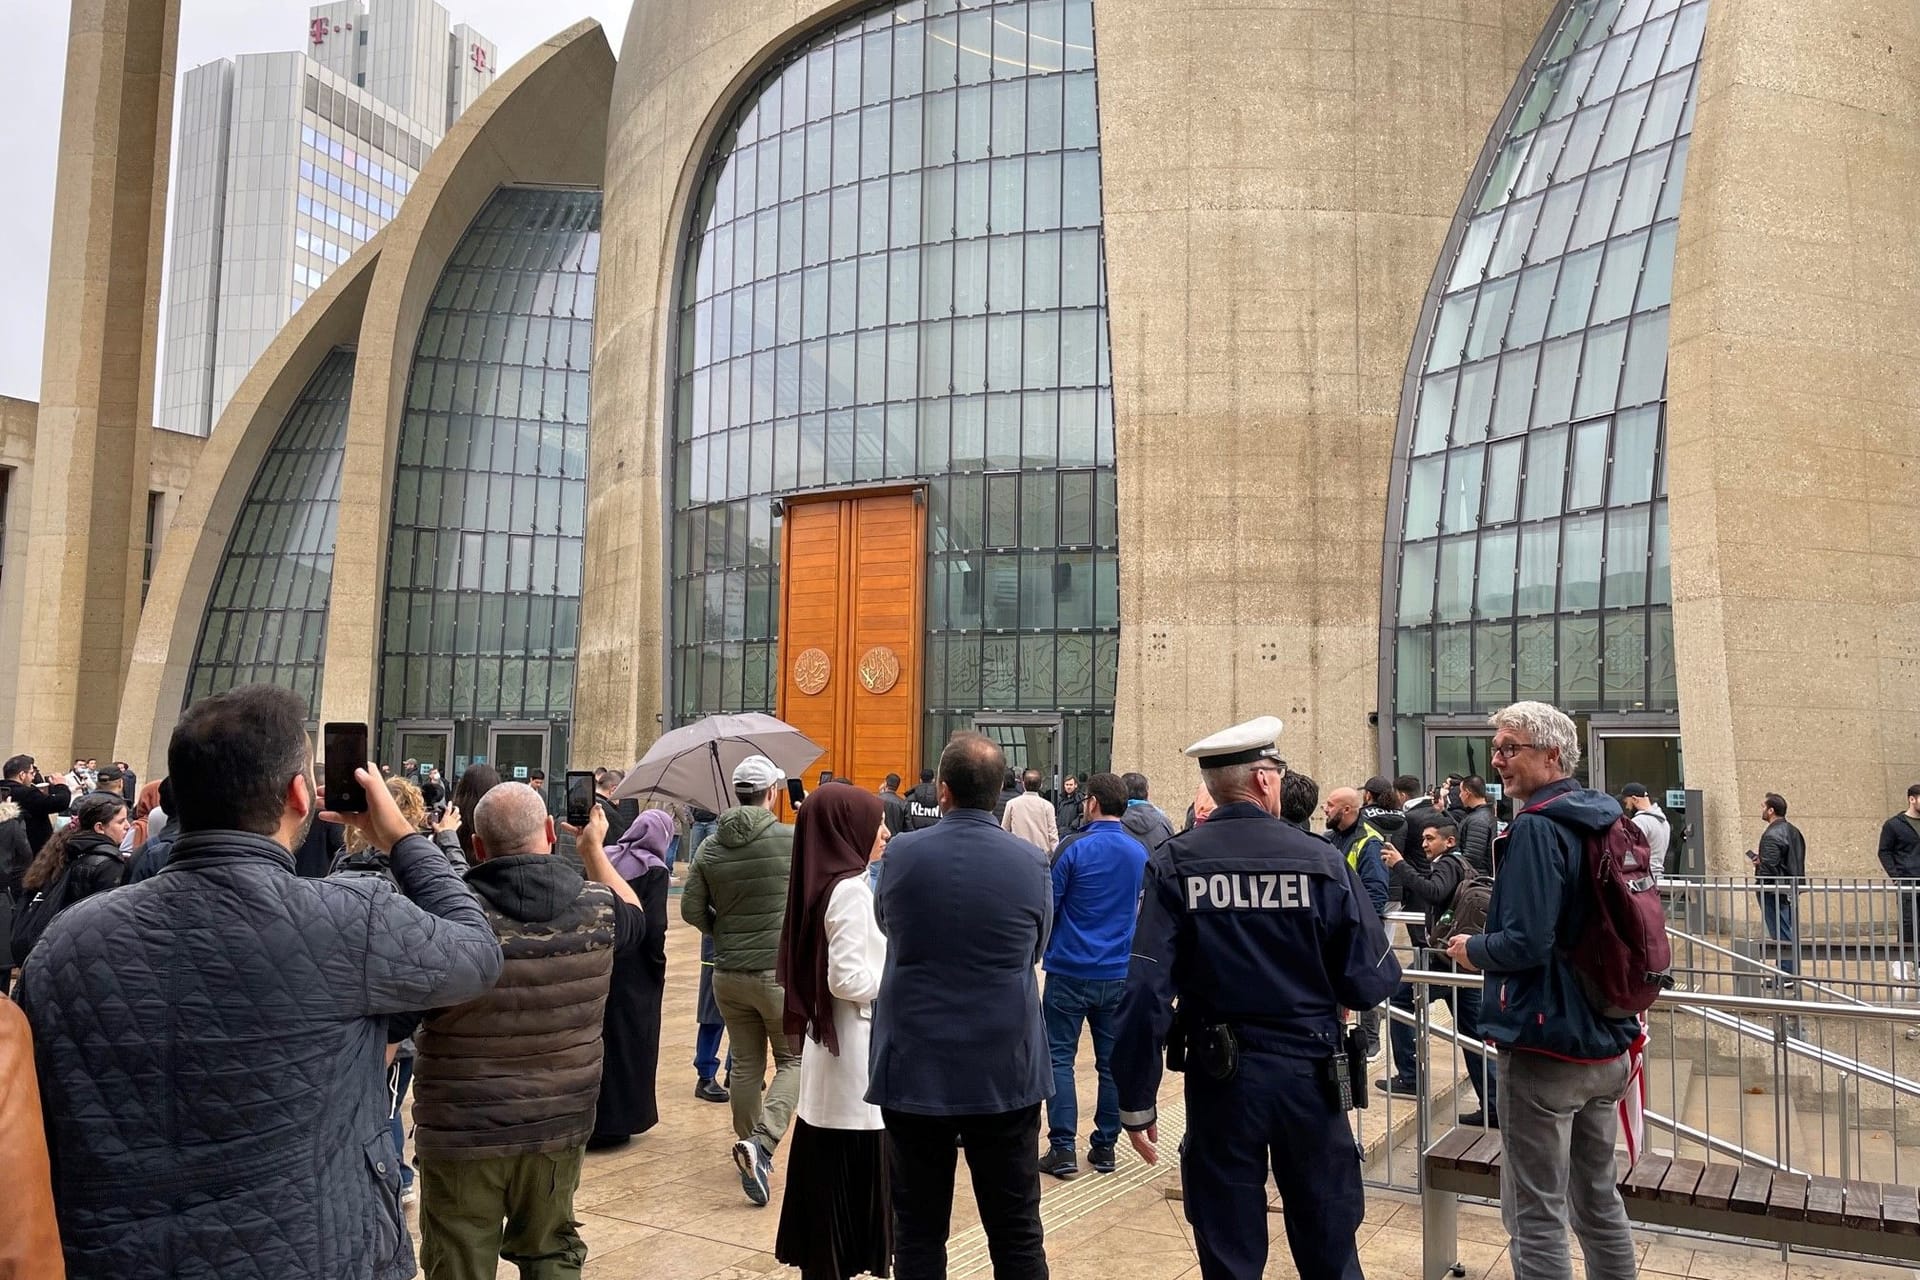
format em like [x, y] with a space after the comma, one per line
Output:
[478, 55]
[318, 30]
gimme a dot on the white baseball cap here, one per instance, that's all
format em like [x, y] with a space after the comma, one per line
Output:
[757, 773]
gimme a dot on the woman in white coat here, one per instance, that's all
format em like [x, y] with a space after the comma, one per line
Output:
[836, 1219]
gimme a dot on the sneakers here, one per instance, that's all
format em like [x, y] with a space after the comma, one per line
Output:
[756, 1170]
[709, 1090]
[1100, 1159]
[410, 1194]
[1478, 1120]
[1394, 1086]
[1060, 1163]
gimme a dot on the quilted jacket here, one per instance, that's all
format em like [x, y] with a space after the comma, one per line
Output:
[736, 888]
[210, 1046]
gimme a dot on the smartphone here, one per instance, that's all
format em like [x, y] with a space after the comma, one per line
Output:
[796, 792]
[346, 749]
[579, 798]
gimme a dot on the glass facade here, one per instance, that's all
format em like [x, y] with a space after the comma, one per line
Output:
[266, 621]
[1530, 548]
[482, 615]
[896, 274]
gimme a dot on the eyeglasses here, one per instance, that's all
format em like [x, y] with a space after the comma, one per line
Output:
[1508, 750]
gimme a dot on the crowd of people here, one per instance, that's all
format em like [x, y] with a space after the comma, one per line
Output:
[232, 995]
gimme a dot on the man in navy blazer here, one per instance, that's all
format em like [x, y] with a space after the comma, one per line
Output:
[959, 1046]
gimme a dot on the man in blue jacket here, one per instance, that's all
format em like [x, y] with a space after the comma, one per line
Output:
[1096, 899]
[1562, 1066]
[958, 1045]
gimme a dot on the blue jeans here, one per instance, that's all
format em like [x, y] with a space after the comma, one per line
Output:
[399, 1076]
[699, 835]
[1776, 908]
[673, 853]
[1465, 1003]
[1066, 1003]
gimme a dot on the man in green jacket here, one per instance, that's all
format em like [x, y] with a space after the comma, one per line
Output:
[736, 891]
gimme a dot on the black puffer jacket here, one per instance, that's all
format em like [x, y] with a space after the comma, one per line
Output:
[93, 865]
[210, 1047]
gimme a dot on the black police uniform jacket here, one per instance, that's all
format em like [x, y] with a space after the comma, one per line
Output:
[1247, 920]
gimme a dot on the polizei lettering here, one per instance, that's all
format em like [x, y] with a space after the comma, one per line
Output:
[1247, 891]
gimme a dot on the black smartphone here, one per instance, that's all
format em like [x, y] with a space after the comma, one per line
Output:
[579, 798]
[346, 749]
[796, 792]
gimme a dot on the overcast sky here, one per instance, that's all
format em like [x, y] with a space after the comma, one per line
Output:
[209, 29]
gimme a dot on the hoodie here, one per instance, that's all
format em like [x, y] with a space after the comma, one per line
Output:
[1534, 1001]
[736, 889]
[541, 1021]
[923, 806]
[1147, 824]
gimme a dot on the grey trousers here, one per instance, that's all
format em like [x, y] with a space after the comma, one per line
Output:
[1557, 1128]
[754, 1006]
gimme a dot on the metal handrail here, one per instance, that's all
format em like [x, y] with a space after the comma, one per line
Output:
[1767, 966]
[1705, 1000]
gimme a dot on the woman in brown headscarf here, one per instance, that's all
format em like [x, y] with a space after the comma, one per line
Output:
[836, 1219]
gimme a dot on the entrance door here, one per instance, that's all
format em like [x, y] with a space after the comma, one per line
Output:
[518, 752]
[1621, 756]
[852, 601]
[429, 744]
[1028, 742]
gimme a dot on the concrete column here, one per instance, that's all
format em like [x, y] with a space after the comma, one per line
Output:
[1278, 183]
[1794, 425]
[82, 571]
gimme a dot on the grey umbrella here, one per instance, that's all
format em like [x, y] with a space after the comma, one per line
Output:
[694, 764]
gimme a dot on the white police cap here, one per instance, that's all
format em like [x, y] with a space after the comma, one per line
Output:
[1244, 743]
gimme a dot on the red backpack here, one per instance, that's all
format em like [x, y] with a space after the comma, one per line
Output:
[1621, 956]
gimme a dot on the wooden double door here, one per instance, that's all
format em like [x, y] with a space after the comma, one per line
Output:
[852, 622]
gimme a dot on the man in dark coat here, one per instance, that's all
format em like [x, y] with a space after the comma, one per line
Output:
[38, 800]
[1900, 859]
[893, 805]
[256, 1144]
[966, 907]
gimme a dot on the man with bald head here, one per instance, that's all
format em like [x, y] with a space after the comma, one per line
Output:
[1361, 845]
[499, 1159]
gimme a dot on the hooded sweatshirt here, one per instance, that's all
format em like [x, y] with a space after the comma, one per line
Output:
[736, 889]
[1147, 824]
[541, 1022]
[1534, 1000]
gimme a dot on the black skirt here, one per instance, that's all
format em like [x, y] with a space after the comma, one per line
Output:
[836, 1219]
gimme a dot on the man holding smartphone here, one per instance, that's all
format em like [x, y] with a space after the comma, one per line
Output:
[505, 1084]
[258, 1143]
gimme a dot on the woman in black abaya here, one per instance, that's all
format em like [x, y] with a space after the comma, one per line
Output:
[632, 1028]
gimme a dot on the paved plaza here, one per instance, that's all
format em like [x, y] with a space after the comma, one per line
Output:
[669, 1206]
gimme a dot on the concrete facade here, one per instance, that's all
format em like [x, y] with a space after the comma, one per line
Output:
[513, 134]
[1277, 186]
[88, 508]
[1793, 406]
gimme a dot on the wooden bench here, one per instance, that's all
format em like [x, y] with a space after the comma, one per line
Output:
[1880, 1220]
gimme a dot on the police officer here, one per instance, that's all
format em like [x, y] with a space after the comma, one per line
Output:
[1262, 935]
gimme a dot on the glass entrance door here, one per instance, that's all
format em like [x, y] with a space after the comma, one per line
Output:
[426, 745]
[1028, 742]
[1654, 761]
[518, 752]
